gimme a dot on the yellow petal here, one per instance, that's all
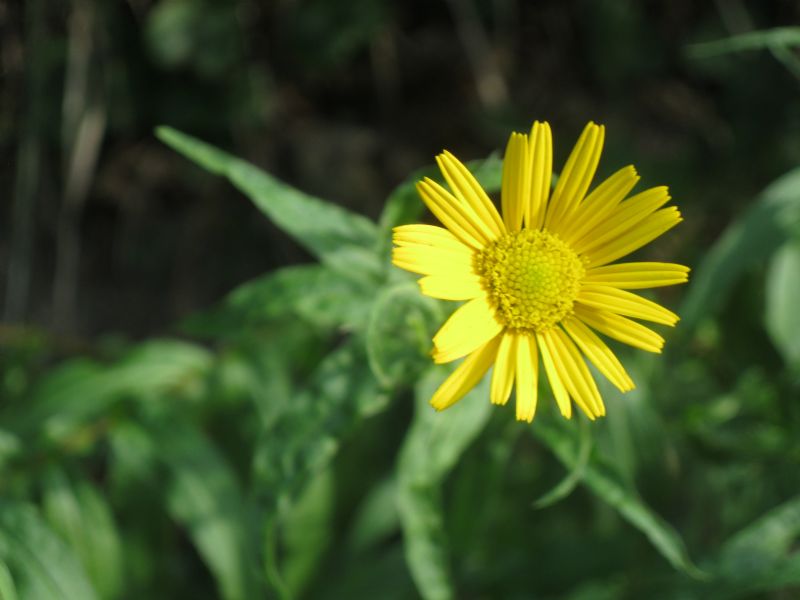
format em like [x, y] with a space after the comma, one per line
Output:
[624, 217]
[541, 146]
[527, 377]
[430, 260]
[468, 328]
[504, 369]
[458, 218]
[451, 286]
[620, 328]
[516, 181]
[466, 376]
[600, 203]
[556, 385]
[575, 177]
[468, 190]
[638, 275]
[576, 376]
[599, 353]
[625, 303]
[641, 234]
[428, 235]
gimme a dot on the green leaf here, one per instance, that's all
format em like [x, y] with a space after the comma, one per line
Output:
[421, 515]
[401, 325]
[44, 567]
[762, 556]
[431, 449]
[601, 480]
[313, 293]
[260, 370]
[308, 529]
[82, 390]
[779, 37]
[376, 519]
[204, 495]
[336, 236]
[8, 591]
[82, 516]
[749, 241]
[10, 447]
[783, 293]
[488, 172]
[305, 434]
[134, 456]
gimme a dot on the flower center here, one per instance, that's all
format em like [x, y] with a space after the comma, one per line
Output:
[532, 278]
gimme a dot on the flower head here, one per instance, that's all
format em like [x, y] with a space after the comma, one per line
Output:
[538, 281]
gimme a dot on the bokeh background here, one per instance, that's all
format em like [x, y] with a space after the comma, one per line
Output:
[160, 441]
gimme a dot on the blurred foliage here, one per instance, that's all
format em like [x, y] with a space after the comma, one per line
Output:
[278, 442]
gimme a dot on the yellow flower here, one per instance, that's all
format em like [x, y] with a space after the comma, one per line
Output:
[538, 280]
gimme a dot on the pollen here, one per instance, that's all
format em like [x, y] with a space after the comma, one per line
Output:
[532, 278]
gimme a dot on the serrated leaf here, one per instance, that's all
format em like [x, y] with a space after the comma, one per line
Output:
[602, 482]
[431, 449]
[314, 294]
[782, 294]
[399, 332]
[748, 241]
[304, 435]
[342, 239]
[45, 568]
